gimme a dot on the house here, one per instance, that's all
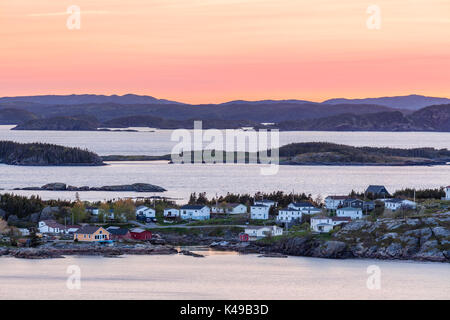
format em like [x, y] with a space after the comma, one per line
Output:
[333, 202]
[301, 205]
[326, 224]
[377, 191]
[265, 202]
[72, 228]
[24, 232]
[171, 212]
[195, 212]
[117, 233]
[395, 204]
[258, 232]
[146, 212]
[50, 226]
[93, 210]
[447, 193]
[259, 212]
[140, 234]
[229, 208]
[289, 214]
[357, 203]
[353, 213]
[91, 233]
[321, 224]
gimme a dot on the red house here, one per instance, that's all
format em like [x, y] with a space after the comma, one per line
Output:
[243, 237]
[140, 234]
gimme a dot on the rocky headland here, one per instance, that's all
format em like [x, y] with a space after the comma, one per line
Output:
[421, 239]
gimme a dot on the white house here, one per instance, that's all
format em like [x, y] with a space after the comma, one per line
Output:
[259, 212]
[321, 224]
[326, 224]
[93, 210]
[395, 204]
[333, 202]
[447, 193]
[258, 232]
[24, 232]
[171, 212]
[146, 212]
[354, 213]
[229, 208]
[195, 212]
[50, 226]
[264, 202]
[301, 206]
[289, 214]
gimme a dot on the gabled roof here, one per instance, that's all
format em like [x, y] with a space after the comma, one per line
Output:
[302, 204]
[53, 224]
[337, 197]
[350, 209]
[341, 218]
[138, 230]
[259, 205]
[376, 189]
[88, 230]
[118, 231]
[143, 207]
[320, 217]
[193, 206]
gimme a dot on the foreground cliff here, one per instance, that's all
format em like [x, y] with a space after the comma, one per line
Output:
[424, 239]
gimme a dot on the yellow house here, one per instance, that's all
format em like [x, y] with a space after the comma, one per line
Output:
[91, 233]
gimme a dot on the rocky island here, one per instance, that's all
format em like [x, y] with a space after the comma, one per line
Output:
[135, 187]
[44, 154]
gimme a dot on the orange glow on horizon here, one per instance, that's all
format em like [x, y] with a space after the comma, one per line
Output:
[210, 51]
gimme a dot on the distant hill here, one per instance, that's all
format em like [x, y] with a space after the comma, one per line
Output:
[86, 98]
[60, 123]
[15, 116]
[411, 102]
[257, 112]
[433, 118]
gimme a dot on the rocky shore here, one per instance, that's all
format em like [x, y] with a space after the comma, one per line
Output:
[421, 239]
[136, 187]
[59, 250]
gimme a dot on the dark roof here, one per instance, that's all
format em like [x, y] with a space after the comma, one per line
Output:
[337, 197]
[376, 189]
[88, 230]
[341, 218]
[193, 206]
[118, 231]
[265, 200]
[259, 205]
[302, 204]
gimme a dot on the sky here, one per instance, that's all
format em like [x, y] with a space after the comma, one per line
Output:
[211, 51]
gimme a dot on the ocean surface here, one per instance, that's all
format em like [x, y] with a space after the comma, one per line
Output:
[183, 179]
[220, 275]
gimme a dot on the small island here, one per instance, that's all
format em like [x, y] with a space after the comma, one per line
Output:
[44, 154]
[318, 154]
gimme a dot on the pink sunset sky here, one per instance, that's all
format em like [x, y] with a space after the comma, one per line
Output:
[204, 51]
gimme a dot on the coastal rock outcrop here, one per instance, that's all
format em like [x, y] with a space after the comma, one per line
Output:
[136, 187]
[417, 238]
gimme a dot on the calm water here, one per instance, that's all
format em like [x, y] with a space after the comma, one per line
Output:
[220, 276]
[159, 142]
[181, 180]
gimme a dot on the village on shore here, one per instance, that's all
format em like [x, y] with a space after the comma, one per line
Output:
[261, 219]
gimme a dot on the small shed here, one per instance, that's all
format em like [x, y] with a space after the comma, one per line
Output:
[140, 234]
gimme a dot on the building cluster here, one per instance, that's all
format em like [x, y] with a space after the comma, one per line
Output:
[336, 210]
